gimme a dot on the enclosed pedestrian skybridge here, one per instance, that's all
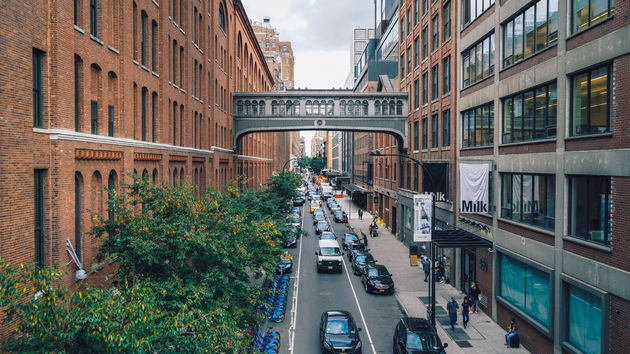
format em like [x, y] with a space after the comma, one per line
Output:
[345, 110]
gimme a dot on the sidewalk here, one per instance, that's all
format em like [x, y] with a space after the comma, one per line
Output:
[482, 335]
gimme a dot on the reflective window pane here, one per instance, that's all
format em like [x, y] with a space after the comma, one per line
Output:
[599, 101]
[530, 25]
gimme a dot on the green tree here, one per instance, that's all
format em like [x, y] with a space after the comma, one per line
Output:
[184, 275]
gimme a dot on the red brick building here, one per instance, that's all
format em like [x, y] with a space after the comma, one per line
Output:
[94, 90]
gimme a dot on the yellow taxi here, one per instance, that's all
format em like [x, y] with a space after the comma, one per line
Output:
[315, 205]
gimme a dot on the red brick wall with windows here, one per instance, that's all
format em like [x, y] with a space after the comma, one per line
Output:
[484, 277]
[531, 338]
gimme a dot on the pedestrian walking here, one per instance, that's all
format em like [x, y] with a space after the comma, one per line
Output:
[426, 267]
[452, 307]
[465, 311]
[512, 331]
[365, 242]
[360, 214]
[474, 296]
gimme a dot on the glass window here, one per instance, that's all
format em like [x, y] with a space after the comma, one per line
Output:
[530, 25]
[94, 116]
[435, 76]
[425, 88]
[402, 65]
[446, 128]
[474, 8]
[446, 75]
[409, 59]
[425, 133]
[408, 21]
[532, 30]
[518, 38]
[416, 51]
[529, 199]
[434, 131]
[38, 202]
[526, 288]
[416, 10]
[416, 94]
[477, 61]
[425, 47]
[416, 135]
[584, 320]
[478, 126]
[589, 208]
[94, 18]
[530, 115]
[590, 12]
[435, 30]
[446, 32]
[541, 25]
[37, 88]
[590, 102]
[508, 41]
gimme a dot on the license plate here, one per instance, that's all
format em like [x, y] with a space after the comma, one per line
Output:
[381, 291]
[330, 267]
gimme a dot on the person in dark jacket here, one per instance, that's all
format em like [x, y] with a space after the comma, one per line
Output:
[465, 313]
[426, 267]
[452, 307]
[474, 296]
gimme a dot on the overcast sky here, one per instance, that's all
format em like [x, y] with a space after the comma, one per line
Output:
[320, 32]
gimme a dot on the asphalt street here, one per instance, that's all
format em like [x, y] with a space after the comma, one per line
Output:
[314, 293]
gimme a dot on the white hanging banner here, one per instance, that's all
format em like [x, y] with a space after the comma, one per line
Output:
[422, 217]
[473, 184]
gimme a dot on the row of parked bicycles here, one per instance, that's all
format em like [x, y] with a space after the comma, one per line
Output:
[274, 309]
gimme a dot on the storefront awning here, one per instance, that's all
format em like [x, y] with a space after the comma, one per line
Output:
[459, 239]
[353, 188]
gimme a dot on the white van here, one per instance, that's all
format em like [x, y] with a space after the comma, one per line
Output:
[329, 256]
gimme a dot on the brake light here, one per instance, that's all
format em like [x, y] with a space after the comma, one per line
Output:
[319, 261]
[339, 262]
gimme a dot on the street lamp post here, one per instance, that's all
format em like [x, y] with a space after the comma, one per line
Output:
[432, 248]
[286, 163]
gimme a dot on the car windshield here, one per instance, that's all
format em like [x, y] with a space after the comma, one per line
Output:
[377, 272]
[322, 224]
[339, 213]
[351, 238]
[328, 235]
[361, 258]
[286, 261]
[330, 251]
[338, 326]
[423, 341]
[295, 220]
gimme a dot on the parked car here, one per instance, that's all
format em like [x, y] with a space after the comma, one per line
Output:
[361, 261]
[285, 266]
[355, 248]
[349, 239]
[294, 220]
[318, 217]
[329, 256]
[338, 333]
[377, 279]
[327, 235]
[299, 201]
[340, 216]
[321, 227]
[335, 208]
[314, 205]
[416, 335]
[296, 210]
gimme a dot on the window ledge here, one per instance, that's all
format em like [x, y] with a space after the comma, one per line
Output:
[169, 83]
[527, 226]
[79, 29]
[475, 20]
[588, 243]
[589, 27]
[182, 31]
[155, 74]
[96, 39]
[468, 148]
[528, 58]
[136, 62]
[144, 68]
[113, 49]
[477, 82]
[182, 90]
[588, 136]
[156, 4]
[538, 141]
[175, 86]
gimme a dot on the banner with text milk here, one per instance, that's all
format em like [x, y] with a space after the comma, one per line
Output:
[473, 186]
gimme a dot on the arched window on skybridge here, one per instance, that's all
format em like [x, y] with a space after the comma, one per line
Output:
[365, 107]
[357, 107]
[315, 107]
[350, 108]
[377, 108]
[385, 111]
[342, 107]
[248, 110]
[289, 108]
[239, 105]
[274, 108]
[392, 107]
[330, 108]
[261, 107]
[281, 107]
[255, 108]
[322, 107]
[309, 107]
[399, 106]
[296, 107]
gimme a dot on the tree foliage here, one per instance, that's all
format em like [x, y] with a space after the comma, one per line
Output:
[184, 275]
[316, 163]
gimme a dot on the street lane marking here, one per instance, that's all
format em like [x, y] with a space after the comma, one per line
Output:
[296, 289]
[367, 331]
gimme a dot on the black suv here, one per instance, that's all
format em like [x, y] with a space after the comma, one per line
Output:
[338, 333]
[377, 279]
[350, 239]
[416, 335]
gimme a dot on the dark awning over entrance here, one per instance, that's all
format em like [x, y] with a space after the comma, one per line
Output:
[458, 239]
[353, 188]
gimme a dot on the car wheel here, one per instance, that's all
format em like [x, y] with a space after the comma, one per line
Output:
[366, 288]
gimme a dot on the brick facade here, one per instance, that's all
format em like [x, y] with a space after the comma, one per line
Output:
[113, 72]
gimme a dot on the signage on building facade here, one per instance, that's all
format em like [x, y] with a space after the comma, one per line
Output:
[422, 217]
[435, 180]
[473, 184]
